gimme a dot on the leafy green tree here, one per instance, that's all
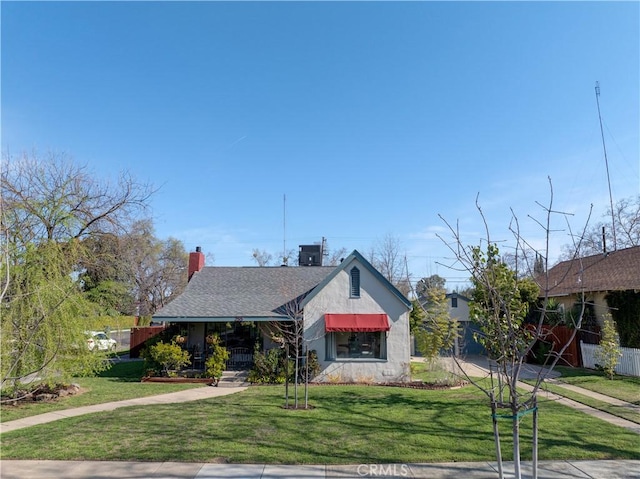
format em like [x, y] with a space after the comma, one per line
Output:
[438, 331]
[416, 316]
[500, 304]
[503, 293]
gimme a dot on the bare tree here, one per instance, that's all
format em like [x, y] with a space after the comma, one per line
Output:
[155, 268]
[53, 198]
[333, 257]
[599, 237]
[261, 257]
[500, 302]
[387, 258]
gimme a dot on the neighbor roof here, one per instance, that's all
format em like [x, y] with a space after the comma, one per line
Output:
[614, 271]
[243, 292]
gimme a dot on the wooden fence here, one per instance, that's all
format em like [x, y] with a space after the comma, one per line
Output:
[557, 337]
[628, 365]
[139, 336]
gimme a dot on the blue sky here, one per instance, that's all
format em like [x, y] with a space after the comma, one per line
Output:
[373, 118]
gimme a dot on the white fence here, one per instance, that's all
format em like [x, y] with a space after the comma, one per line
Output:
[629, 364]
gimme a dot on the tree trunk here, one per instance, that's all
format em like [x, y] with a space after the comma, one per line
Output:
[286, 380]
[306, 379]
[496, 435]
[535, 438]
[516, 443]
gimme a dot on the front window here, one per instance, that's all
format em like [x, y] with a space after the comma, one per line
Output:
[356, 345]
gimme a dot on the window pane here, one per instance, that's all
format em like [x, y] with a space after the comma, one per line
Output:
[359, 345]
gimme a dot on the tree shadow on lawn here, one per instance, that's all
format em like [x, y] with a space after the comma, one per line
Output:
[127, 371]
[448, 426]
[347, 426]
[358, 425]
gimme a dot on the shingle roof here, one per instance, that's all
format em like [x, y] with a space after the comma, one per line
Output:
[615, 271]
[230, 292]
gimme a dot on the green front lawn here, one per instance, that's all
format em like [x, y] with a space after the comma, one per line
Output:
[620, 411]
[625, 388]
[120, 382]
[348, 425]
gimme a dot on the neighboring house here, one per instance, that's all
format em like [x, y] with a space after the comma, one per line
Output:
[594, 276]
[459, 310]
[355, 320]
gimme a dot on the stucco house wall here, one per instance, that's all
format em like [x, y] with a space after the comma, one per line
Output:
[374, 298]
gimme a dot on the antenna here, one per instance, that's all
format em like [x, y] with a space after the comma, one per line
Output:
[606, 162]
[284, 229]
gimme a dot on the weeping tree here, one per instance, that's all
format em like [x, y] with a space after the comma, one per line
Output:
[42, 336]
[49, 208]
[504, 291]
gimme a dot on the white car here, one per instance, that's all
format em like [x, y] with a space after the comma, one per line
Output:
[100, 342]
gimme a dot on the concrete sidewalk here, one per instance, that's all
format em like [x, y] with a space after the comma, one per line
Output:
[176, 470]
[187, 395]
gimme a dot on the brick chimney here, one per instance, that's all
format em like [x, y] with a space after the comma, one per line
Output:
[196, 261]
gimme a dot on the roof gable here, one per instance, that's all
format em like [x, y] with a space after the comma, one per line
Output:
[369, 267]
[614, 271]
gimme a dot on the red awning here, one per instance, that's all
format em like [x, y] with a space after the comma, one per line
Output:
[356, 322]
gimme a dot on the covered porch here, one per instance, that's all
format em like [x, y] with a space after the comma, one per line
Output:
[238, 337]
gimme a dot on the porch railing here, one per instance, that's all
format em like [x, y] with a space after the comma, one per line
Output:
[240, 358]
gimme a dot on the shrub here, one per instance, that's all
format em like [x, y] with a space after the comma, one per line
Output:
[608, 353]
[169, 355]
[269, 367]
[216, 362]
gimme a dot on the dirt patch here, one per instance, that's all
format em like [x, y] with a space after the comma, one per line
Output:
[42, 393]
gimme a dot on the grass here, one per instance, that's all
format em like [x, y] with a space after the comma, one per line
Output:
[433, 373]
[348, 425]
[619, 411]
[625, 388]
[120, 382]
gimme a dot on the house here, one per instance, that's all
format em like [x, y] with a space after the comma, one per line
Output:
[466, 344]
[594, 276]
[355, 320]
[458, 308]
